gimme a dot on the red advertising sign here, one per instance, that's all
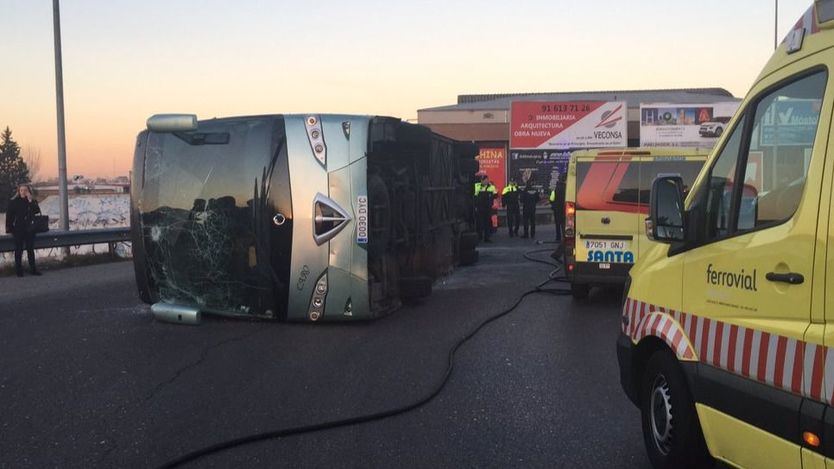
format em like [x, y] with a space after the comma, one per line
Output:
[493, 162]
[547, 125]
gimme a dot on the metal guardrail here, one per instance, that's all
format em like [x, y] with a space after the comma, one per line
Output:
[57, 239]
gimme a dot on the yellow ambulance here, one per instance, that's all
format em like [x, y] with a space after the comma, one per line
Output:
[727, 338]
[606, 201]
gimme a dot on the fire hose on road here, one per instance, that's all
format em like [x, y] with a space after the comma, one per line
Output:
[553, 276]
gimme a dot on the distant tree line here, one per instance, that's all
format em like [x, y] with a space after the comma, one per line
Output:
[13, 169]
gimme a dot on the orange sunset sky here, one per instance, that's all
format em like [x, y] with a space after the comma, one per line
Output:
[124, 61]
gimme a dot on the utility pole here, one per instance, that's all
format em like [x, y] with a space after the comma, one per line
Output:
[775, 25]
[59, 104]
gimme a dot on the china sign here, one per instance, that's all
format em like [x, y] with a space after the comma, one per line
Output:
[492, 161]
[684, 125]
[548, 125]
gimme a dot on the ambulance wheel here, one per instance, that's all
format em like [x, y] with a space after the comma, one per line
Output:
[671, 430]
[579, 291]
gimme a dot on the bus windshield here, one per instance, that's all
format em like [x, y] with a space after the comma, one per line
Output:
[202, 196]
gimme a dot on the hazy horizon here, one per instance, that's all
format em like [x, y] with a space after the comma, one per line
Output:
[125, 61]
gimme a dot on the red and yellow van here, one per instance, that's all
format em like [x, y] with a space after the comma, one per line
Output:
[606, 202]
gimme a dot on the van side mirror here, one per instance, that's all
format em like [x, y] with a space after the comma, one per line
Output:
[665, 222]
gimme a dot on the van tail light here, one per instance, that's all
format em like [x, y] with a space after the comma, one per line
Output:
[570, 220]
[570, 235]
[570, 252]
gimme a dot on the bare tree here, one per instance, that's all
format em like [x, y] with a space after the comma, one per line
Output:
[32, 157]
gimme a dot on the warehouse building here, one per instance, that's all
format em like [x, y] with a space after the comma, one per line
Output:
[672, 117]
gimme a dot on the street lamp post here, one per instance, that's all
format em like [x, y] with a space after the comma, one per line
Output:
[775, 25]
[59, 101]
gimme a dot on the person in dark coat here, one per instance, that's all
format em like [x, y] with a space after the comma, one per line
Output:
[20, 219]
[530, 197]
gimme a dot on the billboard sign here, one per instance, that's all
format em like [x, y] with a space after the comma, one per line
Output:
[790, 122]
[538, 168]
[684, 125]
[565, 125]
[492, 161]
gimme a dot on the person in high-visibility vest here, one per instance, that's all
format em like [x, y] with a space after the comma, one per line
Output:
[510, 200]
[557, 204]
[484, 194]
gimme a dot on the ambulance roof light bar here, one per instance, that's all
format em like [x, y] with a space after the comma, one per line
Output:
[825, 12]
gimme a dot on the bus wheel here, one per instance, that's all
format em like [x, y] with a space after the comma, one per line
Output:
[469, 257]
[468, 241]
[579, 291]
[671, 430]
[415, 288]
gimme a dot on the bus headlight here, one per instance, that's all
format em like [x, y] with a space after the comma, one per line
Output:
[316, 138]
[317, 302]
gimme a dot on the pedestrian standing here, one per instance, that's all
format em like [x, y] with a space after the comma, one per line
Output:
[510, 201]
[530, 198]
[557, 204]
[484, 195]
[475, 210]
[20, 223]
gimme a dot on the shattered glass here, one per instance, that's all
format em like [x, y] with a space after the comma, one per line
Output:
[201, 217]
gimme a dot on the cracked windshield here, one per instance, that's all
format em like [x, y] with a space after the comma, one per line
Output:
[416, 234]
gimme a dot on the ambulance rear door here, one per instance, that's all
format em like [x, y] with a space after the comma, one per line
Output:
[607, 208]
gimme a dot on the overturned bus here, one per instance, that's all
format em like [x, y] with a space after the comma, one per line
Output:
[296, 217]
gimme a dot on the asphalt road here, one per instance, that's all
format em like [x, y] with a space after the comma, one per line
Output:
[89, 379]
